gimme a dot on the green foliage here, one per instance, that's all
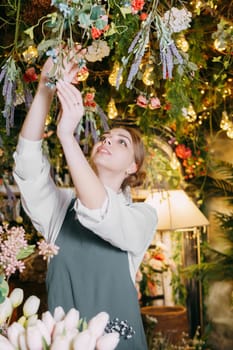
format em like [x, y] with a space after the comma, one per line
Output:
[4, 288]
[25, 252]
[216, 265]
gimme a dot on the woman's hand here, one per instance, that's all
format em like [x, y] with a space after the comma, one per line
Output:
[68, 67]
[71, 108]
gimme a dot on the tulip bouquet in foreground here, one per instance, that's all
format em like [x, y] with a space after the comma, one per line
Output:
[57, 331]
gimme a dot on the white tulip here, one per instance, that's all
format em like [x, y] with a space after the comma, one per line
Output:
[34, 338]
[31, 320]
[31, 306]
[61, 342]
[59, 313]
[48, 320]
[59, 329]
[84, 340]
[5, 344]
[22, 320]
[13, 333]
[44, 331]
[71, 319]
[108, 341]
[6, 310]
[98, 323]
[22, 342]
[16, 297]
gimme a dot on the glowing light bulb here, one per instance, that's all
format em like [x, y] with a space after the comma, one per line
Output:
[112, 110]
[220, 45]
[146, 77]
[113, 77]
[225, 123]
[182, 43]
[30, 54]
[230, 132]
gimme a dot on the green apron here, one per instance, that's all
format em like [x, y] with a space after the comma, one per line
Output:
[92, 276]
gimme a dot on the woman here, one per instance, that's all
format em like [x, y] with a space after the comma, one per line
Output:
[102, 236]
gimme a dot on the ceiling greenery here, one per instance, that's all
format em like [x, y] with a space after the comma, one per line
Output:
[162, 66]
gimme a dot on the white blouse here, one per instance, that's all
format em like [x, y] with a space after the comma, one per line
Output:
[126, 225]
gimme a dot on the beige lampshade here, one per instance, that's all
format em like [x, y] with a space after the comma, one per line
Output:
[176, 210]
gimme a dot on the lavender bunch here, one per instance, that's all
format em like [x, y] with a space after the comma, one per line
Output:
[8, 75]
[14, 92]
[89, 124]
[168, 49]
[167, 55]
[103, 118]
[137, 47]
[89, 127]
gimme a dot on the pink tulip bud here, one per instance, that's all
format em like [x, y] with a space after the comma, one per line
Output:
[48, 320]
[34, 338]
[61, 342]
[108, 341]
[13, 333]
[59, 313]
[44, 331]
[98, 323]
[84, 340]
[59, 329]
[6, 310]
[31, 321]
[5, 344]
[22, 320]
[22, 342]
[16, 297]
[71, 319]
[31, 306]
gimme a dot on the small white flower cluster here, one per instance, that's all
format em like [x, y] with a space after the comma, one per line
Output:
[57, 331]
[97, 51]
[177, 20]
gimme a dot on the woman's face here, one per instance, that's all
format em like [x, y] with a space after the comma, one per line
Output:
[115, 152]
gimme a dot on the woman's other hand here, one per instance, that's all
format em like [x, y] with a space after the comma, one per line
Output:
[71, 108]
[65, 67]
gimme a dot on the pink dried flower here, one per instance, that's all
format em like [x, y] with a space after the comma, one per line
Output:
[48, 250]
[142, 101]
[154, 103]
